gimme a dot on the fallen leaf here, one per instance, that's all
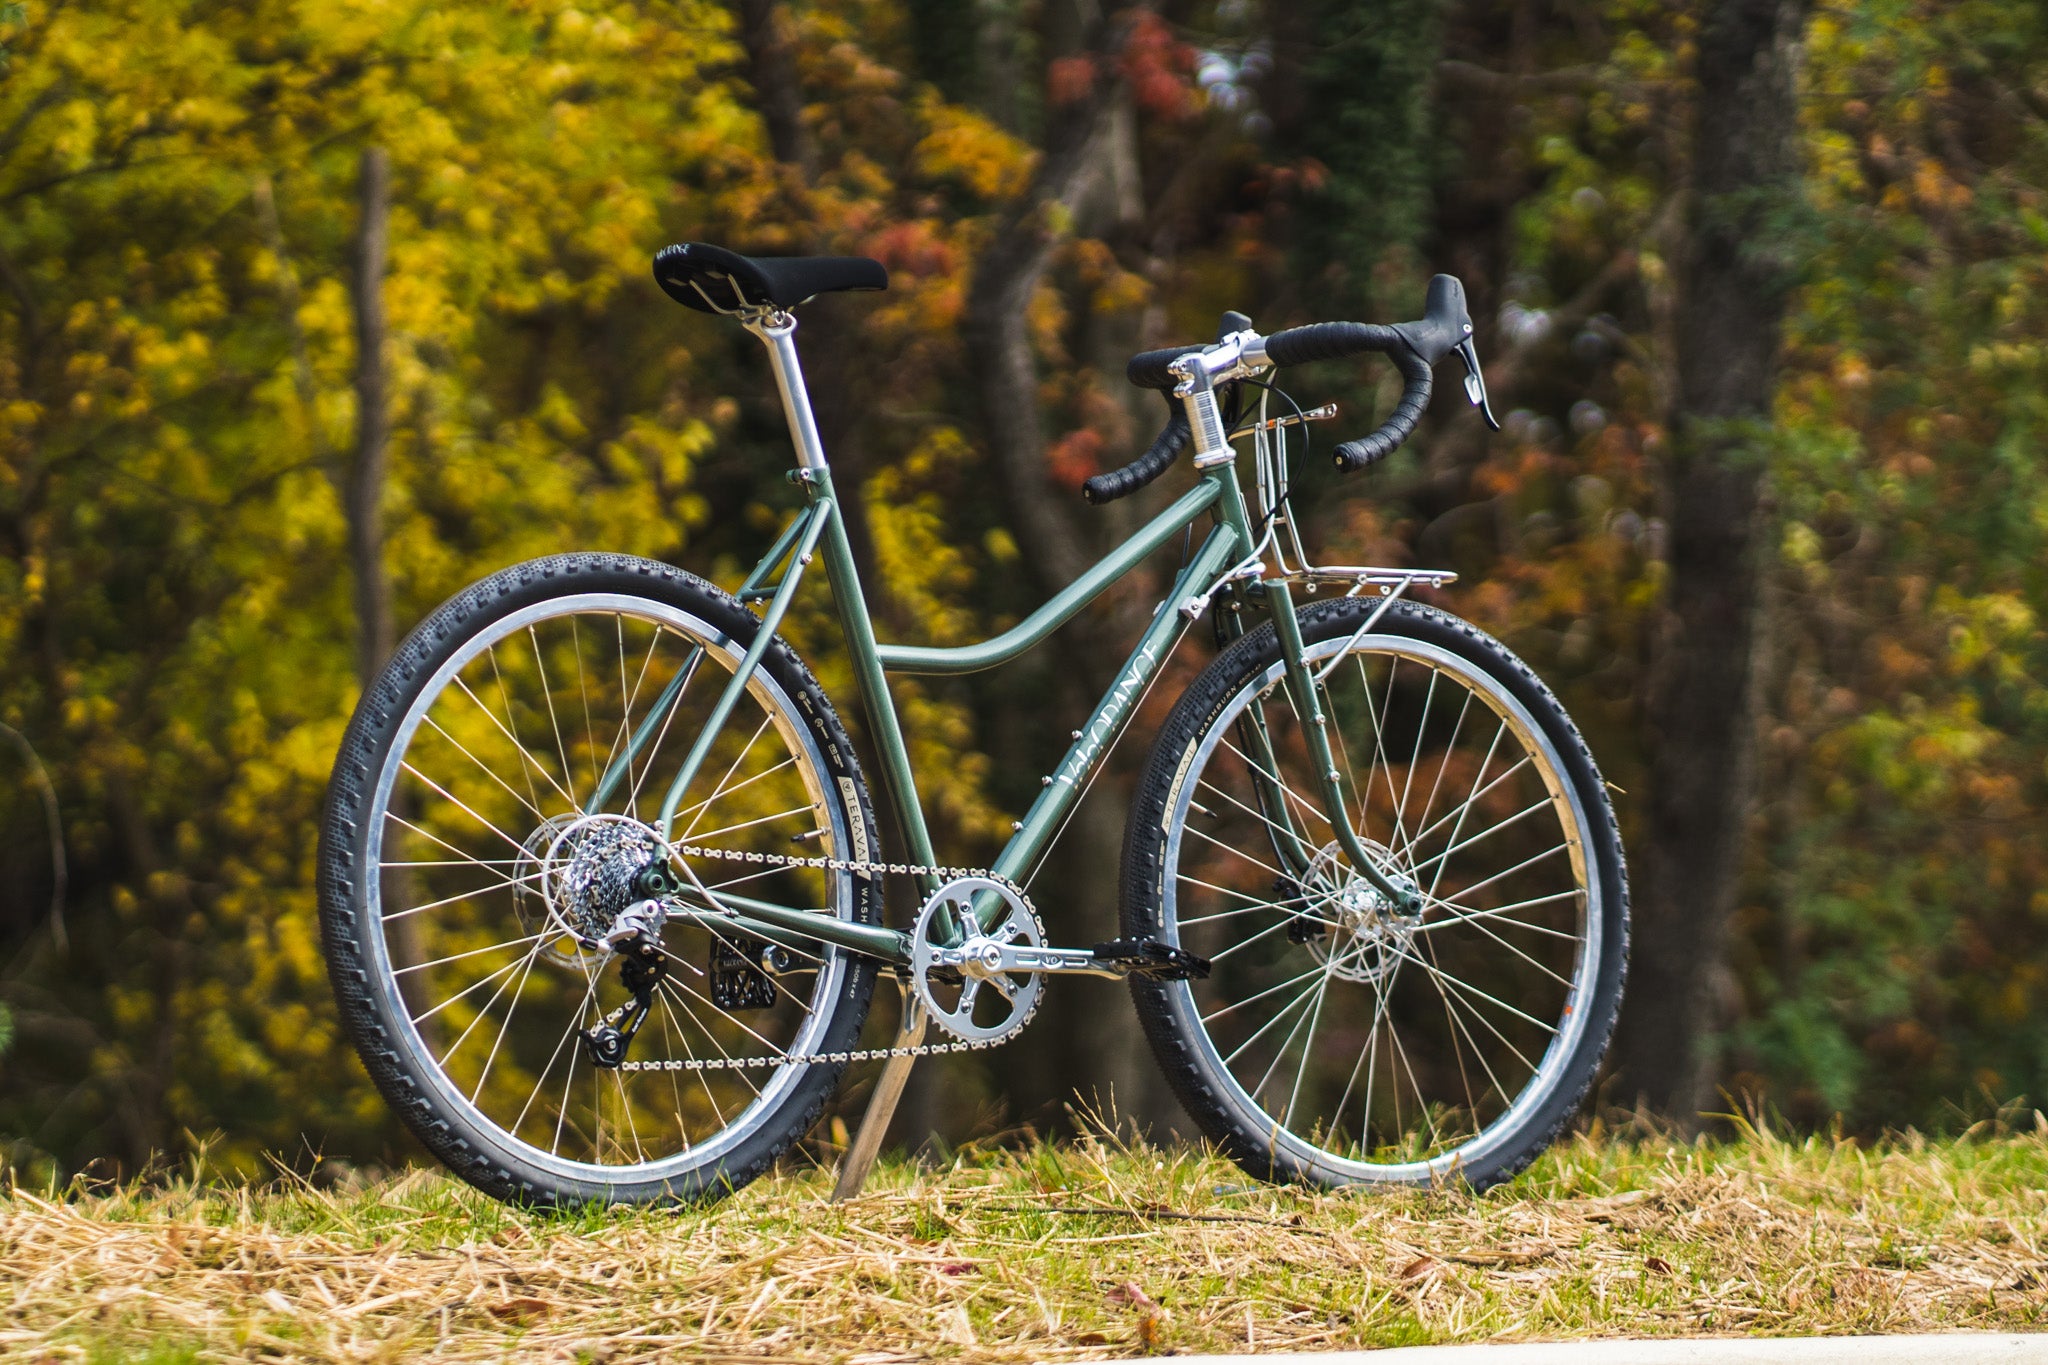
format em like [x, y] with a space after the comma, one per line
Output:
[518, 1310]
[1421, 1266]
[1657, 1265]
[958, 1268]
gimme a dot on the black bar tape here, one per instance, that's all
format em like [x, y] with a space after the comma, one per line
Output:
[1400, 424]
[1156, 460]
[1331, 341]
[1148, 368]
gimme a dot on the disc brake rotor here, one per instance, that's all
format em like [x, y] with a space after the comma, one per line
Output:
[1365, 938]
[962, 982]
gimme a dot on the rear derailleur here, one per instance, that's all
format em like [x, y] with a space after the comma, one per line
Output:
[636, 937]
[641, 967]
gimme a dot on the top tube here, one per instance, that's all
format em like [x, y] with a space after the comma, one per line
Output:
[1064, 605]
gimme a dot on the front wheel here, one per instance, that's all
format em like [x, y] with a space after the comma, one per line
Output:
[1339, 1039]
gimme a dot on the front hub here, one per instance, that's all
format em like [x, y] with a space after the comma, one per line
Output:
[1364, 935]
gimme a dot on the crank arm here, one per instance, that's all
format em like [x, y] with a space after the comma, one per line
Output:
[988, 956]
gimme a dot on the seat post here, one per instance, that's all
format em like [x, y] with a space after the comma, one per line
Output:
[777, 331]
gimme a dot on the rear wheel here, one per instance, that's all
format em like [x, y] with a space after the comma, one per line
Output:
[469, 875]
[1338, 1040]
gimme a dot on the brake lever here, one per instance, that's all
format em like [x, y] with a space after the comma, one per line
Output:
[1475, 382]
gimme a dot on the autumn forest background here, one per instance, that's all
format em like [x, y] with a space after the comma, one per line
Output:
[312, 311]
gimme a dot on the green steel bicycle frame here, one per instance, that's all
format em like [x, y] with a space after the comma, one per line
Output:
[820, 527]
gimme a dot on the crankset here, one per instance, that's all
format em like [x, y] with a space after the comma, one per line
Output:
[979, 976]
[979, 972]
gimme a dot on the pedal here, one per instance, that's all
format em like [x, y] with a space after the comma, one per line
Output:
[1148, 957]
[737, 979]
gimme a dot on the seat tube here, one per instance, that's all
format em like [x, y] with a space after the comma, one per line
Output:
[778, 333]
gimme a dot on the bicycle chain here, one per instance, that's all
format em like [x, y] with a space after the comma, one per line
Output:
[848, 1056]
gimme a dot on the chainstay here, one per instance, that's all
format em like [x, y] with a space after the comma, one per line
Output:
[848, 1056]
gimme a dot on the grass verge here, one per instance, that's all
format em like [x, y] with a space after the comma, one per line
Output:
[1052, 1253]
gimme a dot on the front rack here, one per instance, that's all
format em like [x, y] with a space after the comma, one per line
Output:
[1269, 455]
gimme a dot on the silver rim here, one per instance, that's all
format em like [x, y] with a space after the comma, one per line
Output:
[490, 856]
[1367, 1045]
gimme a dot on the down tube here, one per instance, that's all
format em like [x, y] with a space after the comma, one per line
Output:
[1069, 779]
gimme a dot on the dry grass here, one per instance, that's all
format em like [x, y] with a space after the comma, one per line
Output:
[1053, 1253]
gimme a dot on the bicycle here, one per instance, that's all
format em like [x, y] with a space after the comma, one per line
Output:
[601, 883]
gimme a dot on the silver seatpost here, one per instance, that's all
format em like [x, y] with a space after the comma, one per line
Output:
[778, 333]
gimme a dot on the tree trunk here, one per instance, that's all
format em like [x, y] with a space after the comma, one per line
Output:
[765, 33]
[365, 494]
[1700, 712]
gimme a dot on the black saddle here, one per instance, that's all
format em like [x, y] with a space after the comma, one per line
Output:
[711, 279]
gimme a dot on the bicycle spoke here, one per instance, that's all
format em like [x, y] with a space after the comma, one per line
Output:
[1415, 756]
[1512, 820]
[1313, 992]
[583, 690]
[1253, 999]
[473, 952]
[531, 764]
[1248, 942]
[525, 974]
[485, 1012]
[1502, 916]
[749, 824]
[1255, 814]
[1234, 849]
[506, 883]
[1468, 990]
[675, 991]
[1530, 861]
[1274, 1022]
[1466, 809]
[1282, 787]
[675, 705]
[1377, 716]
[511, 720]
[547, 692]
[1308, 1044]
[1459, 1030]
[453, 801]
[723, 792]
[1443, 764]
[738, 759]
[1462, 811]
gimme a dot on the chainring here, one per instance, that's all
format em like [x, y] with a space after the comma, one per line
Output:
[975, 1000]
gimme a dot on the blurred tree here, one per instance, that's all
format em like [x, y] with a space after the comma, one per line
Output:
[1734, 281]
[1052, 187]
